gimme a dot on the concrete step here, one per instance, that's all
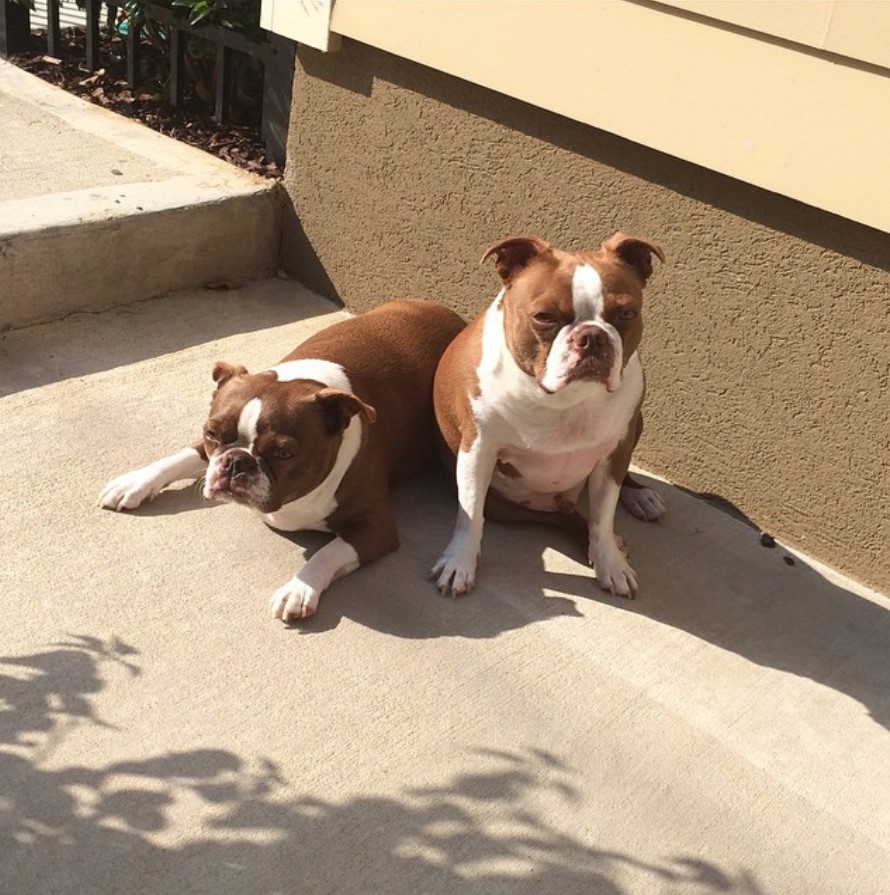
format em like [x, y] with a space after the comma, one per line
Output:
[97, 210]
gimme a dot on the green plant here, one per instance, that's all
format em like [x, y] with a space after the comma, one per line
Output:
[237, 15]
[200, 57]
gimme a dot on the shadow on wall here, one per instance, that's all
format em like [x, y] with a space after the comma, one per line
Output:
[298, 254]
[86, 829]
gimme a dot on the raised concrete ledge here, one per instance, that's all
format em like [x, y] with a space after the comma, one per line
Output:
[27, 216]
[87, 118]
[103, 261]
[97, 210]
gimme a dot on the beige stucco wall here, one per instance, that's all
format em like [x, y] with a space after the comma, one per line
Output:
[767, 331]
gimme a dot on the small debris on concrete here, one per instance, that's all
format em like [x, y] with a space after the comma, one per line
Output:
[789, 560]
[767, 540]
[225, 283]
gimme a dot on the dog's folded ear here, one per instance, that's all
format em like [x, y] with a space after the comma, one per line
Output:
[223, 372]
[635, 251]
[339, 408]
[512, 254]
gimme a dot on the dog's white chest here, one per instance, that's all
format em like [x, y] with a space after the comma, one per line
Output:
[546, 482]
[547, 445]
[301, 515]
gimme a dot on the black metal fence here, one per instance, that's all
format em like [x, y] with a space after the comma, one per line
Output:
[275, 53]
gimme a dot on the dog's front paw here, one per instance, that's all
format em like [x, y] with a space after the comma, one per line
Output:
[644, 503]
[613, 572]
[129, 490]
[454, 572]
[294, 600]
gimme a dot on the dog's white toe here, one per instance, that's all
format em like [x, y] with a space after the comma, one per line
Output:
[128, 491]
[453, 578]
[613, 572]
[294, 600]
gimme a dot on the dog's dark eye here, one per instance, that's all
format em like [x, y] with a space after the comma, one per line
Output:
[279, 453]
[543, 320]
[625, 315]
[210, 435]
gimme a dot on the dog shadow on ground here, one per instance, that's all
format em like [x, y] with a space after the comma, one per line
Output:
[700, 571]
[181, 498]
[704, 570]
[395, 595]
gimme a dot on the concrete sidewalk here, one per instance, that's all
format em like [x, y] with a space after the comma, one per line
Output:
[727, 732]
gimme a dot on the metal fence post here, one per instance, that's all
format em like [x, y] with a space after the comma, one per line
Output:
[53, 28]
[93, 11]
[177, 64]
[15, 28]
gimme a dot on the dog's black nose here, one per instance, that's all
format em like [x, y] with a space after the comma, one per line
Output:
[238, 463]
[591, 340]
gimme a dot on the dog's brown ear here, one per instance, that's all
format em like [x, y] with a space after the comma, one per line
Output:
[635, 251]
[340, 407]
[512, 254]
[223, 372]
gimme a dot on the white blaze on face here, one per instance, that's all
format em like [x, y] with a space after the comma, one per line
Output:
[587, 293]
[587, 300]
[247, 422]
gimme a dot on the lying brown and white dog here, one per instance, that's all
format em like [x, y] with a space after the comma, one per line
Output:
[541, 395]
[314, 442]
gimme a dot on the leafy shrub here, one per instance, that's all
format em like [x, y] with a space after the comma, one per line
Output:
[238, 15]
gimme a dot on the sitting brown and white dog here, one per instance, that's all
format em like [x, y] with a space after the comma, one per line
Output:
[314, 442]
[541, 395]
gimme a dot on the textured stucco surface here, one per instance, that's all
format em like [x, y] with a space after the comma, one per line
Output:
[768, 331]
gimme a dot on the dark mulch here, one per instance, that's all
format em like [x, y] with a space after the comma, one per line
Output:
[240, 144]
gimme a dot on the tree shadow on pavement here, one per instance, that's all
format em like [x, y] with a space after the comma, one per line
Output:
[210, 821]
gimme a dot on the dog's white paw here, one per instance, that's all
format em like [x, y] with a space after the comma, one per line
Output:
[613, 572]
[130, 490]
[455, 571]
[644, 503]
[294, 600]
